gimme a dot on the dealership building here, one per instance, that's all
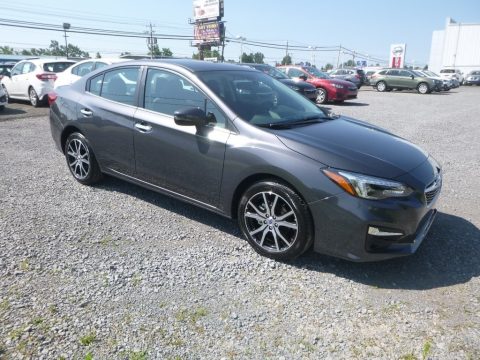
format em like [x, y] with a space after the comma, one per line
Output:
[458, 46]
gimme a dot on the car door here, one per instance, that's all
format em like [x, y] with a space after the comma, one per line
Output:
[182, 159]
[11, 83]
[392, 78]
[107, 111]
[25, 79]
[406, 79]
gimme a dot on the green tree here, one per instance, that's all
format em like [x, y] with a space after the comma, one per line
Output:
[7, 50]
[349, 63]
[287, 60]
[98, 56]
[167, 52]
[247, 58]
[258, 58]
[328, 66]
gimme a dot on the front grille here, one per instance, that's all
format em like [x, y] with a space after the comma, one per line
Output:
[433, 189]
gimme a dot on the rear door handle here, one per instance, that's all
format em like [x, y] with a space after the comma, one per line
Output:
[86, 112]
[143, 127]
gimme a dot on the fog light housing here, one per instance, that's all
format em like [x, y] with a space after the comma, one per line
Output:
[373, 230]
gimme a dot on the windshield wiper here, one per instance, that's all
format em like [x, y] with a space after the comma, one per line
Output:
[292, 123]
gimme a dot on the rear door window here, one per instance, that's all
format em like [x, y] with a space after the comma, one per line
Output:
[393, 73]
[28, 67]
[295, 72]
[120, 85]
[83, 69]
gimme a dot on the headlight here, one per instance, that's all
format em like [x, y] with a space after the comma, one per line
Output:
[296, 88]
[367, 187]
[338, 86]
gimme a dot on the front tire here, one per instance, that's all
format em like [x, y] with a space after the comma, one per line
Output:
[275, 220]
[422, 88]
[81, 160]
[381, 86]
[6, 94]
[32, 95]
[322, 96]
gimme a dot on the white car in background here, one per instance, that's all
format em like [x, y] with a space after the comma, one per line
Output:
[75, 72]
[450, 73]
[447, 84]
[33, 79]
[3, 98]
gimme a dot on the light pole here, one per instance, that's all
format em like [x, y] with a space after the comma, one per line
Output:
[242, 39]
[66, 26]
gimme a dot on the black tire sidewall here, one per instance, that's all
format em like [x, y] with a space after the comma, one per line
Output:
[305, 227]
[94, 173]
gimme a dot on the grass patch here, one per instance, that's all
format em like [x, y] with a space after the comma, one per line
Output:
[24, 265]
[37, 321]
[136, 279]
[192, 316]
[427, 347]
[88, 339]
[89, 356]
[4, 305]
[52, 309]
[137, 355]
[408, 357]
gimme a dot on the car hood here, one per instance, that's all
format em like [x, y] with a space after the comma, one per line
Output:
[349, 144]
[299, 84]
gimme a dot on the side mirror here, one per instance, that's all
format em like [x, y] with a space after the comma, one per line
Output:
[190, 117]
[303, 77]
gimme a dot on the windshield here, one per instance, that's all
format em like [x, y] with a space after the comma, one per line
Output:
[270, 70]
[315, 72]
[431, 73]
[57, 67]
[418, 73]
[259, 99]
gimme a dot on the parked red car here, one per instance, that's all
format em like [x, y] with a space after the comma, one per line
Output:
[328, 89]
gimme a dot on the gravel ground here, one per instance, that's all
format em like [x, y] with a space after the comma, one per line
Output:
[21, 109]
[119, 272]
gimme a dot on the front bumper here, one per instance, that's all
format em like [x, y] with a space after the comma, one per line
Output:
[472, 82]
[345, 93]
[310, 94]
[342, 226]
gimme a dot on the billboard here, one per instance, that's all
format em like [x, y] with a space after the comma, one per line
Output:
[208, 32]
[397, 55]
[207, 9]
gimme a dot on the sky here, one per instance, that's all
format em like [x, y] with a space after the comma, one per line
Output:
[367, 27]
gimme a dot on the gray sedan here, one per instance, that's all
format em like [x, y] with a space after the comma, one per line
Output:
[239, 143]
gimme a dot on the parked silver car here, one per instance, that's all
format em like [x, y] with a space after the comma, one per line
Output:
[356, 76]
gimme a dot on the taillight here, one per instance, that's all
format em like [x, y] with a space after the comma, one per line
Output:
[46, 76]
[52, 96]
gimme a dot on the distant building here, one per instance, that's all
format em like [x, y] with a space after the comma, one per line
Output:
[458, 46]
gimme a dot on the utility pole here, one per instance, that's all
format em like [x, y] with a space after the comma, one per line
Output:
[286, 49]
[66, 26]
[151, 41]
[338, 57]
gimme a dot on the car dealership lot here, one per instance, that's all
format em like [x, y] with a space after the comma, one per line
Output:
[117, 271]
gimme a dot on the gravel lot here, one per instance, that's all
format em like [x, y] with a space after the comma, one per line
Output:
[119, 272]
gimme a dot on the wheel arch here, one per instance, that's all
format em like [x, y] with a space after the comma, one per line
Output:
[70, 129]
[254, 178]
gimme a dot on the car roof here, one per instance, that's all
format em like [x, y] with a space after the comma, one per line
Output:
[191, 65]
[43, 61]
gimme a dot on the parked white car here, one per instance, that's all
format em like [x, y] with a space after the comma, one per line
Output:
[3, 98]
[33, 79]
[450, 73]
[75, 72]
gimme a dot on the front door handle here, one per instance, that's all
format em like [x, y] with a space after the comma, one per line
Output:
[143, 127]
[86, 112]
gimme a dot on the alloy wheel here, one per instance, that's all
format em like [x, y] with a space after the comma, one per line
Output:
[381, 86]
[78, 159]
[321, 96]
[33, 97]
[422, 88]
[271, 221]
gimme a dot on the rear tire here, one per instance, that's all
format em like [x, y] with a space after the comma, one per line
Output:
[32, 95]
[6, 94]
[275, 220]
[381, 86]
[81, 160]
[2, 107]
